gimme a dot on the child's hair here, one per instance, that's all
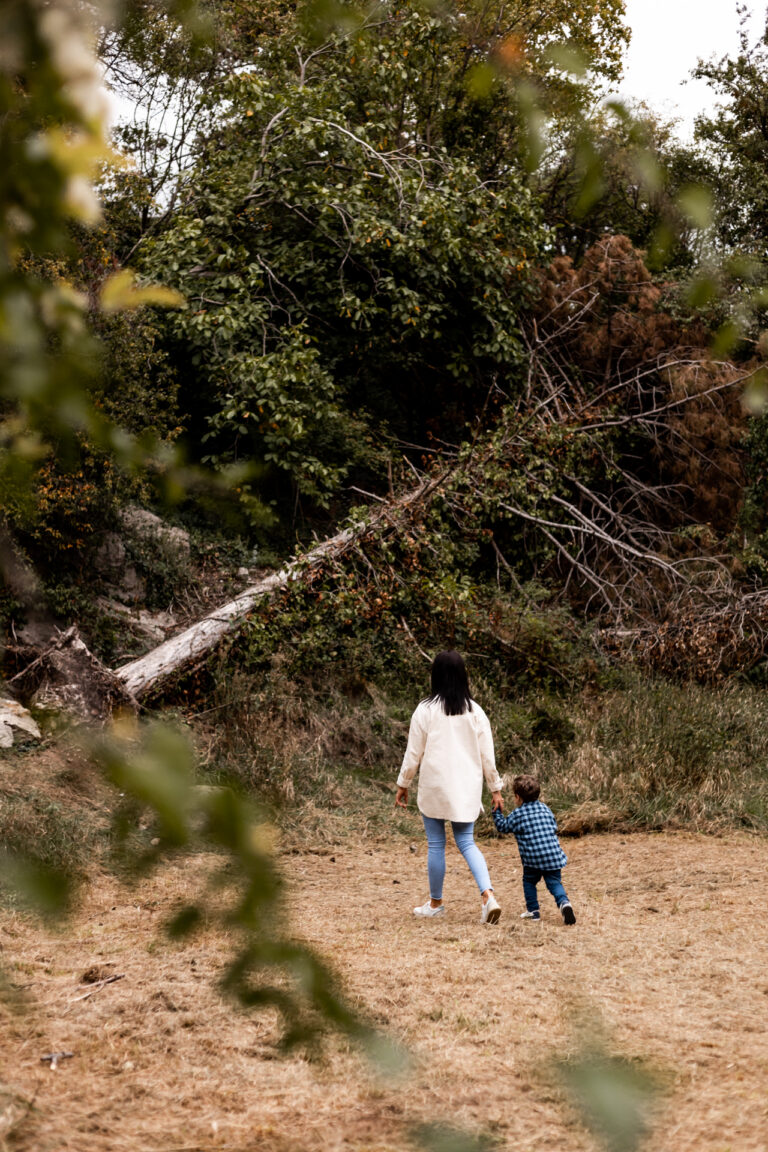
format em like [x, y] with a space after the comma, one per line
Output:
[527, 788]
[450, 684]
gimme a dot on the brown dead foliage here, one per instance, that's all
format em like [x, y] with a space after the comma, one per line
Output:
[703, 454]
[618, 348]
[621, 323]
[705, 642]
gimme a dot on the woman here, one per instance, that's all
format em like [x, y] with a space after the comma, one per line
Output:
[451, 746]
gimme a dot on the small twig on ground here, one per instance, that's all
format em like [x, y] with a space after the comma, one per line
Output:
[94, 988]
[53, 1058]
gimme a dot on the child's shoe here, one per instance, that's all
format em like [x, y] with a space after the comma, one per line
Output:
[491, 910]
[428, 910]
[568, 914]
[530, 915]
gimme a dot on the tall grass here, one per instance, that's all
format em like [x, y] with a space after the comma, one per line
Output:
[645, 755]
[660, 755]
[322, 757]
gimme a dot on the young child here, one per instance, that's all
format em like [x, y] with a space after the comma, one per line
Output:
[535, 828]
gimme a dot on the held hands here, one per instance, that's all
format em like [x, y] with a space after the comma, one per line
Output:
[497, 804]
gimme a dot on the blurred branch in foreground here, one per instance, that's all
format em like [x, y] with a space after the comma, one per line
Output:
[615, 1095]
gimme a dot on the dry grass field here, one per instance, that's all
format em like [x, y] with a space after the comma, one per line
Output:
[669, 951]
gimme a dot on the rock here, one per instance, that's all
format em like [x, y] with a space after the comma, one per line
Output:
[147, 524]
[110, 555]
[153, 626]
[67, 677]
[243, 573]
[14, 716]
[112, 561]
[132, 587]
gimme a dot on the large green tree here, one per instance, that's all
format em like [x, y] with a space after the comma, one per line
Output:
[471, 82]
[344, 271]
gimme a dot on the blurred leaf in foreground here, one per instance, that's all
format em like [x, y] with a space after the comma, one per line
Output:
[443, 1138]
[36, 885]
[614, 1095]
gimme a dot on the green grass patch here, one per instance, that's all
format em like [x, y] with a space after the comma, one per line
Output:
[45, 838]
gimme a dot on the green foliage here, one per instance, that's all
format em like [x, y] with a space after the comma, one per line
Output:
[737, 139]
[753, 516]
[342, 270]
[52, 140]
[396, 594]
[625, 171]
[138, 386]
[62, 523]
[48, 142]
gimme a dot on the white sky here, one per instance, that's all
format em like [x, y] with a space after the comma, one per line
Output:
[668, 38]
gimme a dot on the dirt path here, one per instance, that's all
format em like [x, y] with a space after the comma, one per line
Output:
[670, 949]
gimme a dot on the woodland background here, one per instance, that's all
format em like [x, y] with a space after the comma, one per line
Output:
[340, 255]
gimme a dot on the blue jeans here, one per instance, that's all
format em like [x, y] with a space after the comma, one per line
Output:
[551, 878]
[463, 834]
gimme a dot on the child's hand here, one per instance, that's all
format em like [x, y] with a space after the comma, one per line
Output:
[401, 799]
[497, 802]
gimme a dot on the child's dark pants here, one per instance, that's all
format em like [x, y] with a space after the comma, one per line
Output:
[551, 878]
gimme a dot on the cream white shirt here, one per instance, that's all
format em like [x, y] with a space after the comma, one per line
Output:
[452, 754]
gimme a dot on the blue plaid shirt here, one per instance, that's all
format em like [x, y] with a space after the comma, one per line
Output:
[535, 827]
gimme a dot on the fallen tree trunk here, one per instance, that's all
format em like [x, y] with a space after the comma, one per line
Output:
[171, 657]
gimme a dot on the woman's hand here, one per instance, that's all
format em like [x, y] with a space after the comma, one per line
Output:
[496, 798]
[401, 799]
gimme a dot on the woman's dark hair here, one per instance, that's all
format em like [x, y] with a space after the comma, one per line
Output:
[450, 684]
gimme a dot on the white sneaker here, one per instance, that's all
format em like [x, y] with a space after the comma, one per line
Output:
[428, 910]
[491, 910]
[530, 915]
